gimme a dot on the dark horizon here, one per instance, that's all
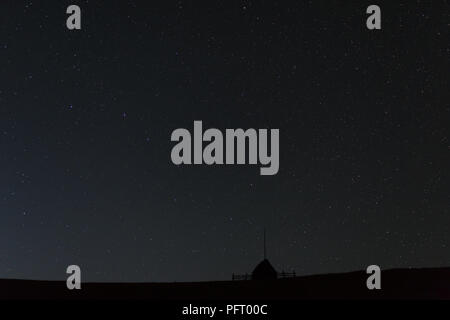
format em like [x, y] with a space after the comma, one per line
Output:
[398, 284]
[86, 119]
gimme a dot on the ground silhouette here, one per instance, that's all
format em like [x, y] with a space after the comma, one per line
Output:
[430, 283]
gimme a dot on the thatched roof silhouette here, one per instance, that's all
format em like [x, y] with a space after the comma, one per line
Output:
[263, 271]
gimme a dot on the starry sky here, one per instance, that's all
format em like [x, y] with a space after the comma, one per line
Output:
[86, 118]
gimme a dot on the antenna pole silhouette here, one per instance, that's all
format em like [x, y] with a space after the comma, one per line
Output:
[264, 243]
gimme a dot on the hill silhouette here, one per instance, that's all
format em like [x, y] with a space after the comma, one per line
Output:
[427, 283]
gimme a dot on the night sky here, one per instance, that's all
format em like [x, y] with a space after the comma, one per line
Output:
[86, 118]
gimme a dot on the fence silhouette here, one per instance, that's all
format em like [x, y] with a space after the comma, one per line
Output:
[286, 274]
[247, 276]
[241, 277]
